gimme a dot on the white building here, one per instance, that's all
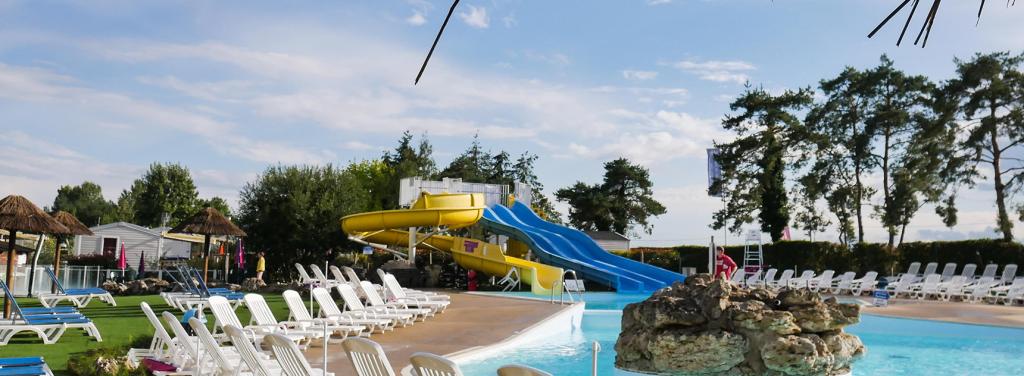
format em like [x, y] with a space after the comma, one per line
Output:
[156, 244]
[609, 240]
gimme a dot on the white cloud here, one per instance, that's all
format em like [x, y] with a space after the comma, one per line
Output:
[476, 17]
[554, 58]
[416, 19]
[663, 137]
[717, 70]
[357, 145]
[639, 74]
[658, 2]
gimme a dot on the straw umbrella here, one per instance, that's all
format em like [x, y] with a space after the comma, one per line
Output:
[19, 214]
[207, 222]
[75, 227]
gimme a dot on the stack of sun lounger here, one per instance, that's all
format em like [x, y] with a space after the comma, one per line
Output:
[232, 347]
[931, 283]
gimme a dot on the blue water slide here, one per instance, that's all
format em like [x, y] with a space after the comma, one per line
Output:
[569, 248]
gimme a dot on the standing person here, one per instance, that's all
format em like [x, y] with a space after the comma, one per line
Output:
[261, 266]
[723, 264]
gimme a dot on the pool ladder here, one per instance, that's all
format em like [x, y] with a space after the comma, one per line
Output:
[576, 286]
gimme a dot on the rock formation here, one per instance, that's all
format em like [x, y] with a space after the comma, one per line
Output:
[712, 327]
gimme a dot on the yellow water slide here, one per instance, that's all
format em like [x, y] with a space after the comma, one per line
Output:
[389, 227]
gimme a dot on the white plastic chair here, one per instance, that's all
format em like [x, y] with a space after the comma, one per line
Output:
[264, 319]
[765, 280]
[354, 305]
[754, 279]
[842, 283]
[520, 370]
[408, 291]
[904, 286]
[865, 283]
[298, 314]
[329, 310]
[969, 270]
[252, 358]
[320, 276]
[822, 281]
[989, 272]
[929, 269]
[929, 287]
[304, 277]
[374, 300]
[952, 287]
[437, 303]
[1009, 274]
[804, 280]
[367, 357]
[948, 270]
[427, 364]
[290, 358]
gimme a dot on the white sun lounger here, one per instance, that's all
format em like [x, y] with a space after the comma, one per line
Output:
[803, 281]
[354, 305]
[48, 324]
[929, 269]
[225, 315]
[253, 360]
[375, 301]
[842, 282]
[947, 271]
[865, 283]
[298, 314]
[163, 347]
[953, 287]
[928, 287]
[783, 280]
[396, 293]
[80, 297]
[367, 357]
[754, 279]
[913, 269]
[329, 310]
[411, 292]
[290, 358]
[766, 279]
[969, 271]
[262, 317]
[904, 286]
[823, 280]
[320, 276]
[1009, 274]
[427, 364]
[1006, 294]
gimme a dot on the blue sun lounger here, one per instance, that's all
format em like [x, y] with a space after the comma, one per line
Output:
[29, 366]
[80, 297]
[49, 326]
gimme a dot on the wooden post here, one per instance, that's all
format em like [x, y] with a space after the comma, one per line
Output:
[11, 255]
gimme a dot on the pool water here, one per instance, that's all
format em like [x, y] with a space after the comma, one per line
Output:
[895, 346]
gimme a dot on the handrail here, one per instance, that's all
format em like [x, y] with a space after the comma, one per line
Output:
[562, 291]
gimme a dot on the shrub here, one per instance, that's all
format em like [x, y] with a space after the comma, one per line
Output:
[106, 361]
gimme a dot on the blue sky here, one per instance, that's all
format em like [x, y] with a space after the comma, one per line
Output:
[97, 90]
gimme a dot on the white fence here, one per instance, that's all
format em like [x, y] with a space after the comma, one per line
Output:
[77, 276]
[494, 194]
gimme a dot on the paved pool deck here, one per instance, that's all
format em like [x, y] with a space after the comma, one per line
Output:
[470, 321]
[959, 312]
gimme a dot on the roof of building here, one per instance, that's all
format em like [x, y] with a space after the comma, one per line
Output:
[155, 232]
[606, 235]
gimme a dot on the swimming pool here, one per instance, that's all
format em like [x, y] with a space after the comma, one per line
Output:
[895, 346]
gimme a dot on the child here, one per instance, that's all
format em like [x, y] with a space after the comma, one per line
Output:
[261, 266]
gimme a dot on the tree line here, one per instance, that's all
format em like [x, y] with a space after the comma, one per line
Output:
[874, 142]
[293, 211]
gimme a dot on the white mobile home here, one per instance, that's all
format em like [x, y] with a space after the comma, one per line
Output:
[156, 244]
[609, 240]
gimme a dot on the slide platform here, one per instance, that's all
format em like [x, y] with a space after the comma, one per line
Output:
[572, 249]
[452, 211]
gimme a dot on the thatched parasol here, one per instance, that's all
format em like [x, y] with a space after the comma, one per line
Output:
[75, 227]
[207, 222]
[19, 214]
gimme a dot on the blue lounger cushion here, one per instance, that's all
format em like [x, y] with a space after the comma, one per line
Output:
[38, 320]
[93, 291]
[21, 362]
[35, 310]
[23, 371]
[52, 316]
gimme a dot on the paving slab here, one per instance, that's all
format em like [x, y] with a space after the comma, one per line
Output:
[471, 320]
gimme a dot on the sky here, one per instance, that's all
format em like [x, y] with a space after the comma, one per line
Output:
[98, 90]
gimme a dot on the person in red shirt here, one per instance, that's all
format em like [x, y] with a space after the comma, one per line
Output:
[723, 264]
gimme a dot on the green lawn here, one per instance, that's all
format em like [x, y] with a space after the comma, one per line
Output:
[119, 326]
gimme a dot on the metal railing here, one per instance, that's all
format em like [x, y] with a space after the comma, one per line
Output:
[564, 291]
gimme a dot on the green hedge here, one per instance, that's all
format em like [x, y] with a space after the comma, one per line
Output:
[824, 255]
